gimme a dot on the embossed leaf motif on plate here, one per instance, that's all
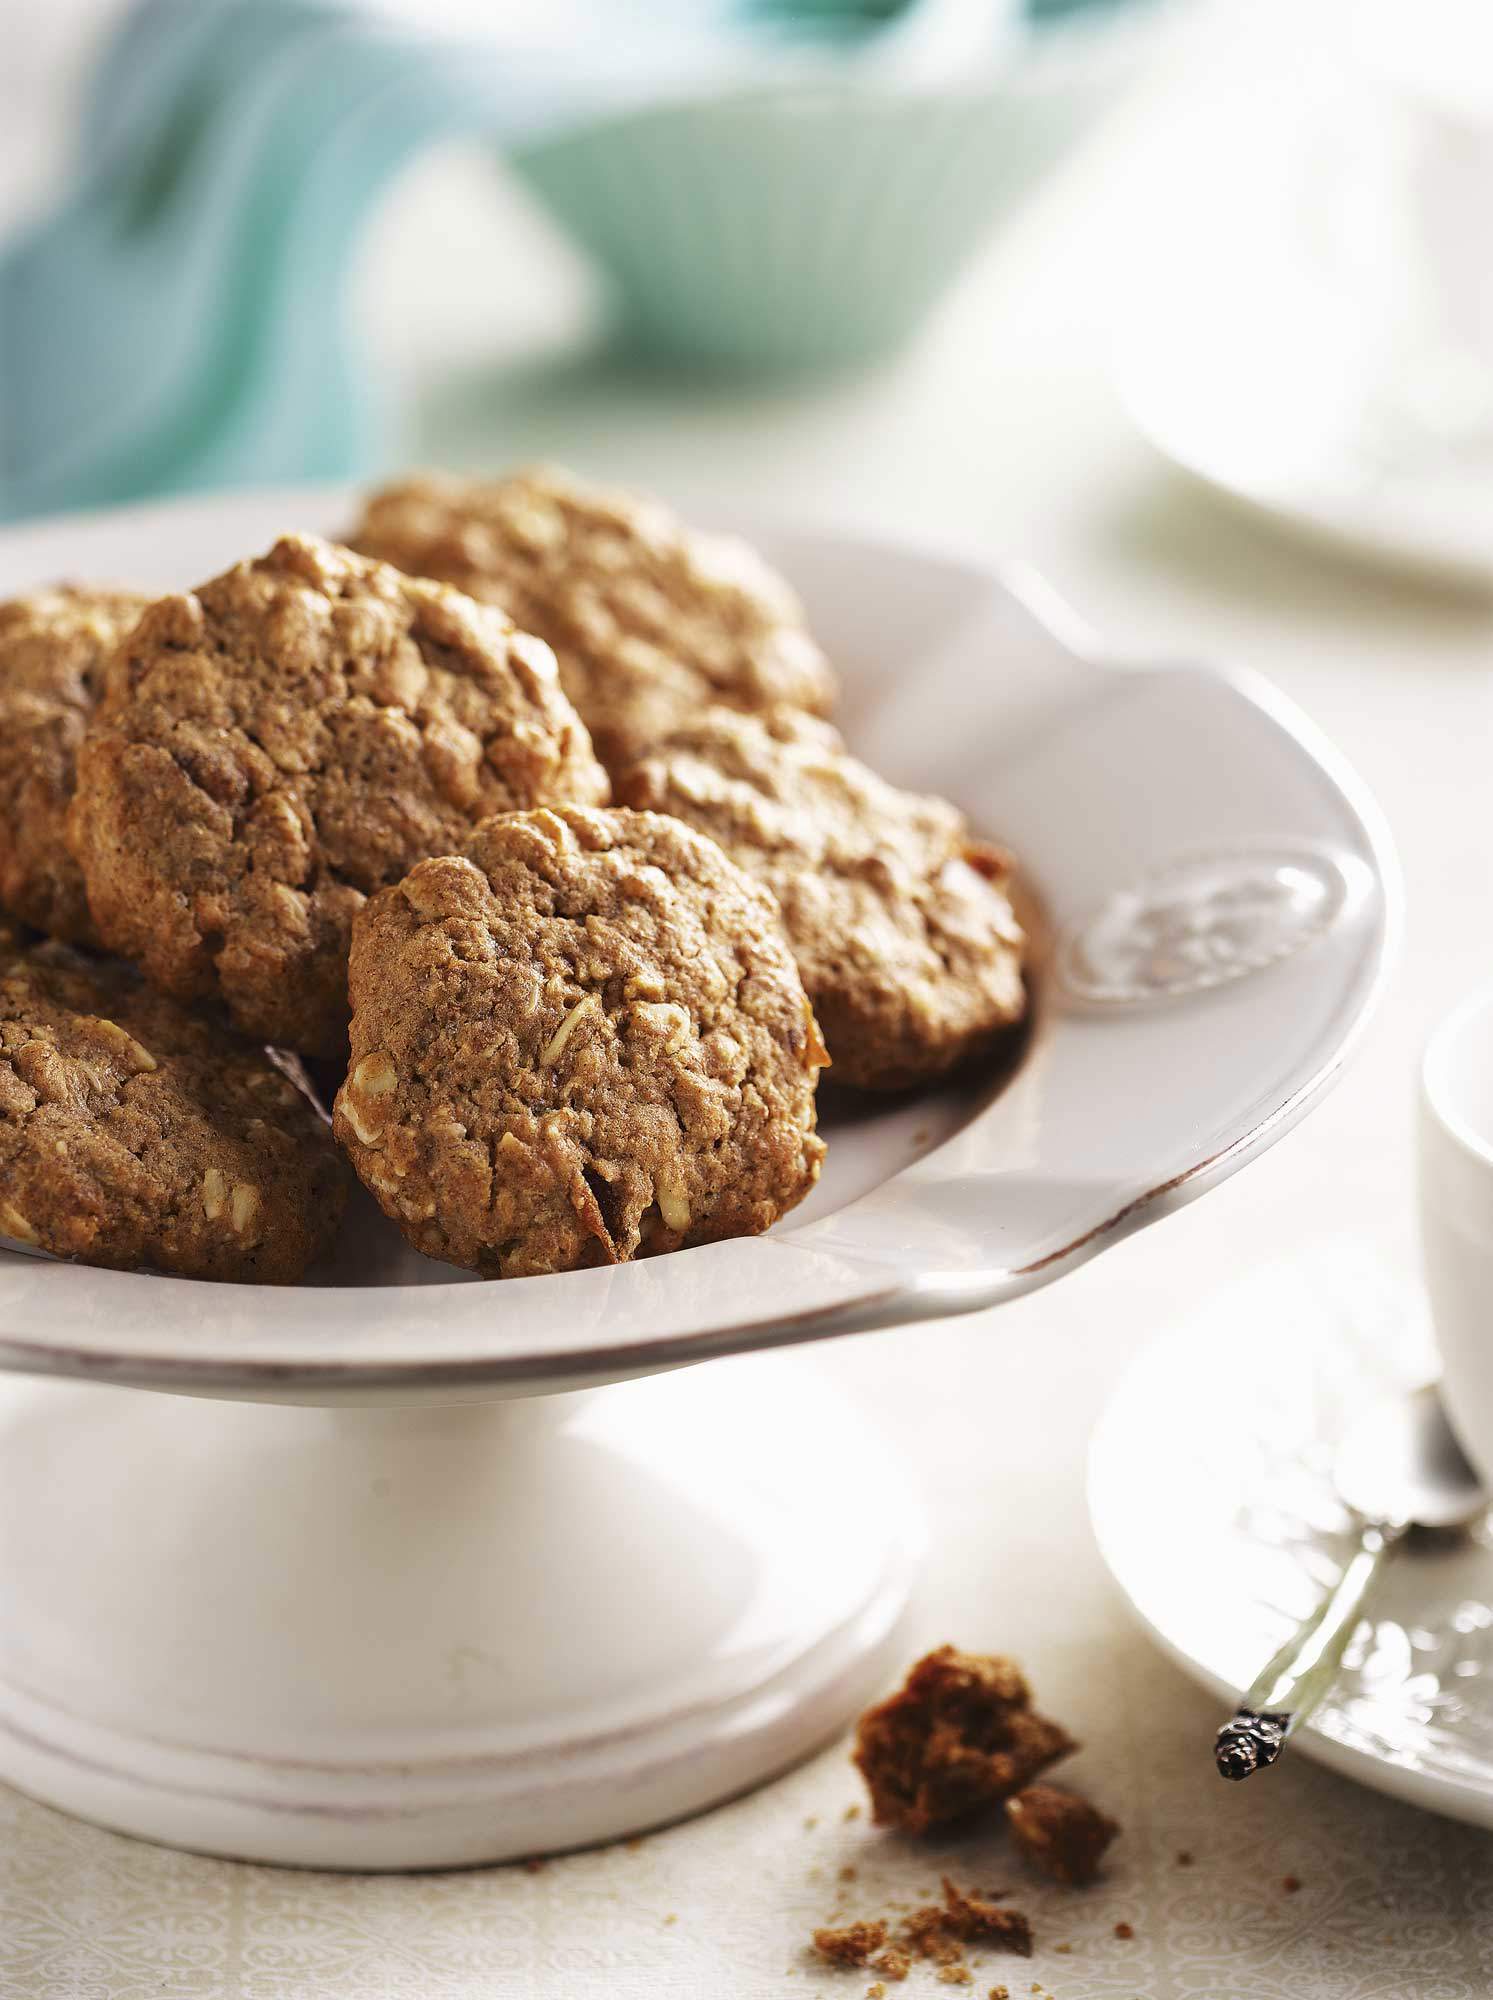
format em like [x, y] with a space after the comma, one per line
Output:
[1203, 922]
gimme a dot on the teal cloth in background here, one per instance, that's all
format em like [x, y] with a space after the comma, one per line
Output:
[177, 322]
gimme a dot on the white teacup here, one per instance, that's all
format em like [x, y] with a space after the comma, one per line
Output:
[1456, 1216]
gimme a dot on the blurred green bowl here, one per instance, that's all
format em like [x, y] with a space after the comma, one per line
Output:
[797, 228]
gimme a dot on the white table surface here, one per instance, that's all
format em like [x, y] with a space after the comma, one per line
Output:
[999, 430]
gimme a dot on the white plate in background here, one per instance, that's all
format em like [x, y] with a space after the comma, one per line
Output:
[1211, 1495]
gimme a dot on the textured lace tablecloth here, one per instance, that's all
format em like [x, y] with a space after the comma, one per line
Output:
[1001, 432]
[1392, 1904]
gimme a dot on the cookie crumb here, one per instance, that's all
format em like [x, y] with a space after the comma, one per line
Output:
[926, 1934]
[1124, 1930]
[894, 1962]
[1060, 1833]
[999, 1993]
[937, 1931]
[851, 1944]
[852, 1812]
[671, 1918]
[1184, 1857]
[847, 1873]
[810, 1823]
[876, 1991]
[1062, 1947]
[958, 1737]
[955, 1975]
[978, 1920]
[1290, 1884]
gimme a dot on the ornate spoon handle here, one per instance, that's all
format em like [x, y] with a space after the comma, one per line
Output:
[1296, 1678]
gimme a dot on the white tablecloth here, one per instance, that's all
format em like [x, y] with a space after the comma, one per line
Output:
[1001, 431]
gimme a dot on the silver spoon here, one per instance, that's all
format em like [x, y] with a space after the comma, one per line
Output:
[1398, 1467]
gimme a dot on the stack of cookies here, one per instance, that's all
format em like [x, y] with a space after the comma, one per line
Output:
[521, 815]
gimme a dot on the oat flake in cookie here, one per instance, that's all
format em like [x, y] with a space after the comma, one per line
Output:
[650, 619]
[581, 1040]
[898, 917]
[272, 748]
[135, 1135]
[53, 646]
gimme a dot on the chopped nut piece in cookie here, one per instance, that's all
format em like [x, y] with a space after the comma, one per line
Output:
[54, 645]
[958, 1737]
[243, 1208]
[205, 1160]
[650, 621]
[126, 1044]
[15, 1225]
[541, 1118]
[1061, 1833]
[273, 748]
[899, 919]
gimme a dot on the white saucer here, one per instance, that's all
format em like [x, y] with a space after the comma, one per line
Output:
[1247, 355]
[1211, 1499]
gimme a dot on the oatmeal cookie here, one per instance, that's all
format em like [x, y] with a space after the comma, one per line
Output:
[274, 747]
[650, 620]
[957, 1737]
[135, 1135]
[898, 918]
[53, 646]
[581, 1039]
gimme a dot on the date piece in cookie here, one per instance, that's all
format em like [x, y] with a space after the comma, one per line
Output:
[650, 619]
[53, 647]
[959, 1736]
[135, 1135]
[274, 747]
[580, 1040]
[898, 918]
[1060, 1833]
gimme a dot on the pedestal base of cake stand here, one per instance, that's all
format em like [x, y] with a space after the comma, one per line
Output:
[420, 1637]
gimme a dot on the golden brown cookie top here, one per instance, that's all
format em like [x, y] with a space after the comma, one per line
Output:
[53, 647]
[898, 918]
[135, 1135]
[649, 618]
[273, 747]
[581, 1039]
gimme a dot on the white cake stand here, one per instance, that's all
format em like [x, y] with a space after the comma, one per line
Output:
[408, 1570]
